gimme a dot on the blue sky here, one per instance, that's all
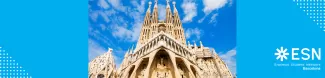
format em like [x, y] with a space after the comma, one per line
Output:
[116, 24]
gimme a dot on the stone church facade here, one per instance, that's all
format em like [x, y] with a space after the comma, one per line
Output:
[102, 66]
[162, 52]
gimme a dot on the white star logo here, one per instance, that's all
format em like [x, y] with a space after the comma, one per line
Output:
[281, 53]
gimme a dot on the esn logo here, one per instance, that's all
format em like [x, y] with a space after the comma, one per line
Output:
[298, 53]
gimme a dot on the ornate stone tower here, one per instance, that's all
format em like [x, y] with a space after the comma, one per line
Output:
[162, 52]
[102, 66]
[152, 26]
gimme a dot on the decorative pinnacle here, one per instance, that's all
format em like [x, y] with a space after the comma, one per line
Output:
[132, 47]
[110, 50]
[174, 4]
[150, 2]
[201, 44]
[167, 2]
[195, 45]
[188, 44]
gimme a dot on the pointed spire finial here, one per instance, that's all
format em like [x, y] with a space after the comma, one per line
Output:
[149, 6]
[188, 44]
[110, 50]
[132, 49]
[195, 45]
[201, 45]
[174, 4]
[128, 49]
[167, 2]
[156, 4]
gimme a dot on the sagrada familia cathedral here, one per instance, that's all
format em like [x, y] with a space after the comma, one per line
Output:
[162, 52]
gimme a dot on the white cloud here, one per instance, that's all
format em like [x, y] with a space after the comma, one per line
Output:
[104, 15]
[126, 30]
[201, 20]
[190, 10]
[110, 12]
[125, 27]
[140, 6]
[117, 5]
[161, 12]
[211, 5]
[136, 31]
[213, 18]
[93, 16]
[195, 33]
[98, 35]
[122, 32]
[103, 4]
[102, 26]
[94, 49]
[130, 31]
[230, 59]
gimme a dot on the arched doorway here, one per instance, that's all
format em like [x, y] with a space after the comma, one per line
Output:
[142, 68]
[162, 66]
[182, 69]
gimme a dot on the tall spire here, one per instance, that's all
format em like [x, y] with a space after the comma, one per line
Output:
[179, 31]
[145, 27]
[147, 17]
[155, 12]
[168, 13]
[176, 16]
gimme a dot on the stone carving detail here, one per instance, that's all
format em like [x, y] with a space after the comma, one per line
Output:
[161, 71]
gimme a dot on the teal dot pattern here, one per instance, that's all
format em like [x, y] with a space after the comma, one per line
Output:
[9, 68]
[315, 9]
